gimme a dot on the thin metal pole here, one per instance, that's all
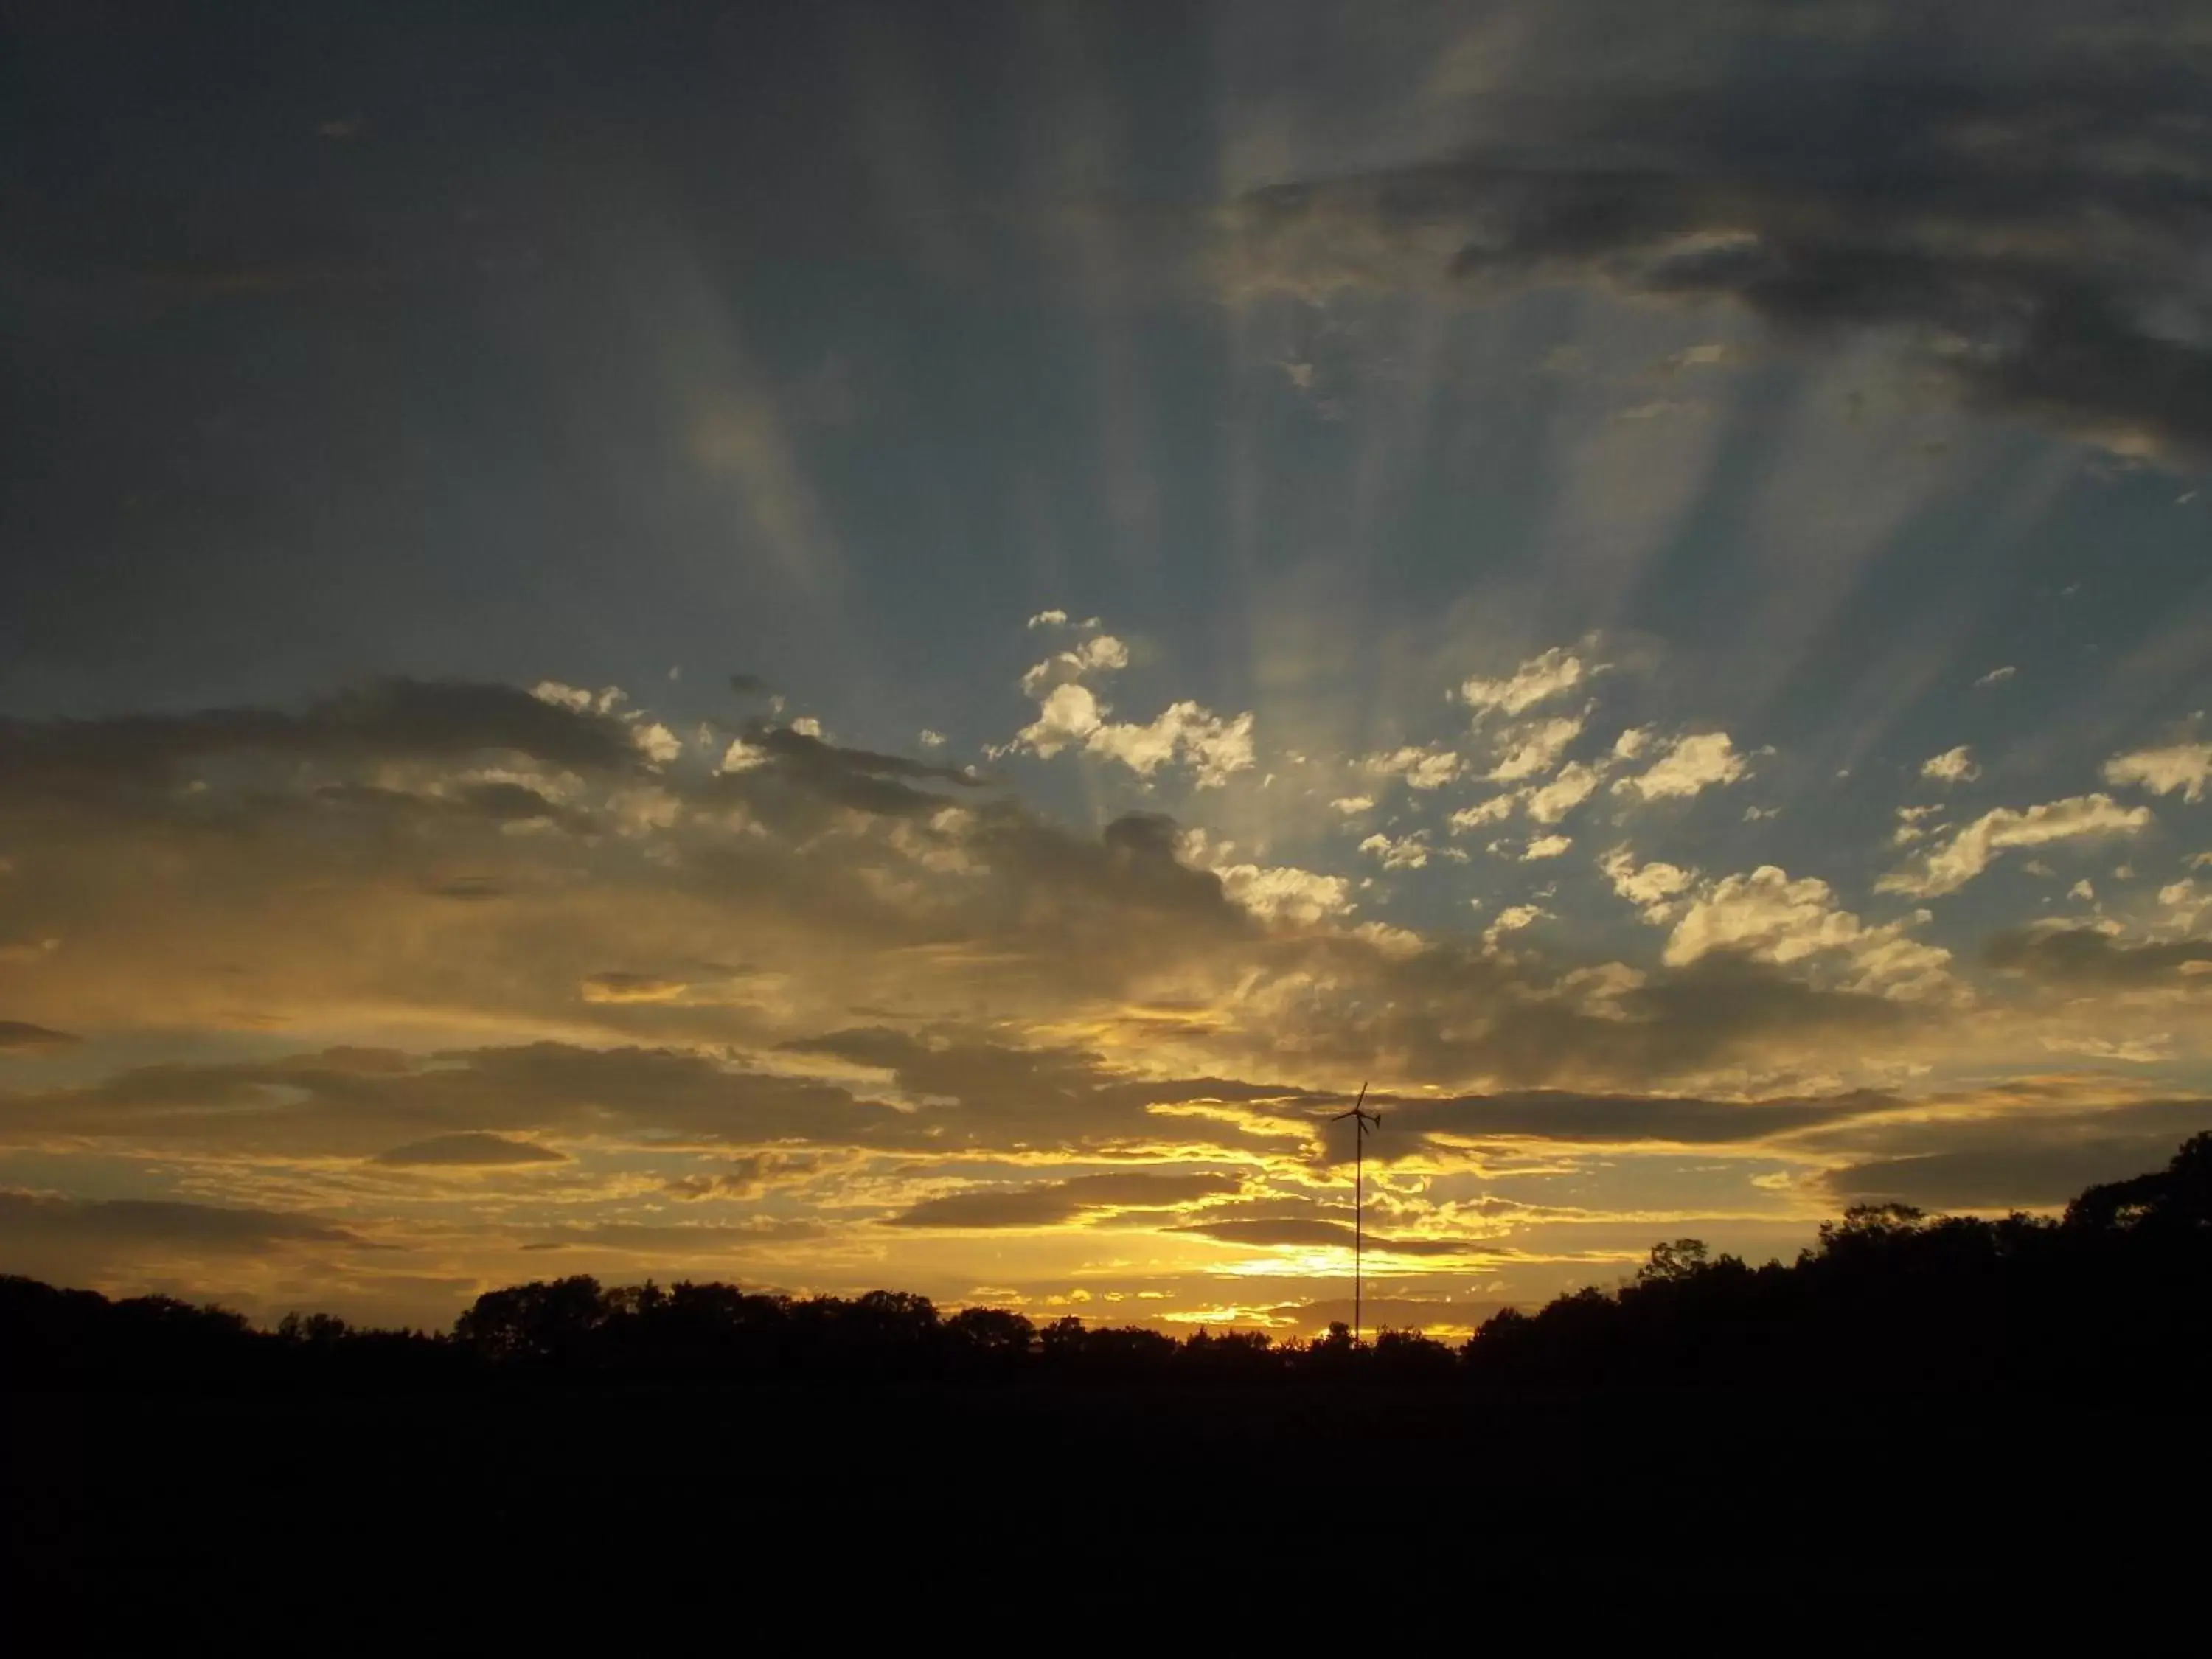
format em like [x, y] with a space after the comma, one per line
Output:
[1359, 1217]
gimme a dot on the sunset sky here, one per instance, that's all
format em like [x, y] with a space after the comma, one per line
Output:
[836, 646]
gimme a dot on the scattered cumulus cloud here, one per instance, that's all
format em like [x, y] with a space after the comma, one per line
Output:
[1068, 715]
[1071, 715]
[1910, 825]
[1531, 749]
[1648, 886]
[1102, 653]
[1422, 768]
[1213, 747]
[1408, 852]
[1496, 809]
[2186, 767]
[1702, 761]
[1548, 803]
[1771, 918]
[1512, 920]
[1285, 893]
[1952, 766]
[1550, 674]
[1965, 853]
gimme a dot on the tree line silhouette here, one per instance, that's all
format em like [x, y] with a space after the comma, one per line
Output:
[2114, 1296]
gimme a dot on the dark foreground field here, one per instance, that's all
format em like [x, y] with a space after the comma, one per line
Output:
[1103, 1498]
[2003, 1416]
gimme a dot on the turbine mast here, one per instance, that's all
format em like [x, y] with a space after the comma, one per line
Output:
[1362, 1122]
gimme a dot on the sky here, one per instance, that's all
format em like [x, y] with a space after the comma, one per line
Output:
[834, 647]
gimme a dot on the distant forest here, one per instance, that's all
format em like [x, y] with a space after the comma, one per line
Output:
[2115, 1297]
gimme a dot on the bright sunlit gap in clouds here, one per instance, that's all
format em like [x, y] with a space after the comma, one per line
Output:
[878, 653]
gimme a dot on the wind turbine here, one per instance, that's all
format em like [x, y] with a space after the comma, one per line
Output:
[1363, 1123]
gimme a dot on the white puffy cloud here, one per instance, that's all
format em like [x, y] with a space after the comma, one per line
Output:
[1908, 828]
[1069, 715]
[1998, 675]
[1693, 764]
[650, 738]
[1546, 847]
[1049, 619]
[1540, 678]
[1512, 920]
[742, 756]
[2186, 905]
[656, 741]
[1952, 766]
[1548, 803]
[1272, 892]
[1496, 809]
[1531, 749]
[1185, 732]
[2184, 766]
[1422, 768]
[576, 699]
[1648, 886]
[1968, 851]
[1400, 852]
[1771, 918]
[1350, 805]
[932, 739]
[1284, 892]
[1102, 653]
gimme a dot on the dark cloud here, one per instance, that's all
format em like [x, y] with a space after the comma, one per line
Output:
[473, 1151]
[622, 986]
[1553, 1115]
[20, 1038]
[494, 802]
[29, 1219]
[1451, 1012]
[750, 685]
[2081, 955]
[2034, 209]
[860, 779]
[313, 1105]
[748, 1177]
[468, 888]
[383, 719]
[2005, 1161]
[1042, 1096]
[1295, 1232]
[1045, 1203]
[703, 1242]
[1997, 1178]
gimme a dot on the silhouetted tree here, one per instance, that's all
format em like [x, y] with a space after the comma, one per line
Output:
[1888, 1302]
